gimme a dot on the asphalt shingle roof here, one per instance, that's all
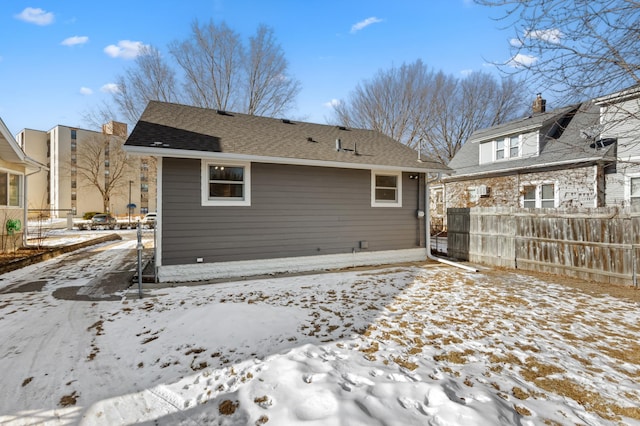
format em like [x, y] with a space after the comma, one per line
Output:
[569, 146]
[171, 126]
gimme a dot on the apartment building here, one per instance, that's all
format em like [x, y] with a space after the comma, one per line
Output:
[88, 172]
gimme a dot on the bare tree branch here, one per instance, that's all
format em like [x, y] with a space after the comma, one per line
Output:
[102, 164]
[212, 62]
[149, 79]
[270, 91]
[578, 49]
[417, 106]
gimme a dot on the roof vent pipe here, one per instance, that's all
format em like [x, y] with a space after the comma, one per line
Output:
[338, 145]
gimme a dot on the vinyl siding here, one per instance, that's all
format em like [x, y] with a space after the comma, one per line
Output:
[486, 152]
[529, 144]
[295, 211]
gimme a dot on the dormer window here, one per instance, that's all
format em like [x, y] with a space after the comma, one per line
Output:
[499, 149]
[507, 148]
[514, 146]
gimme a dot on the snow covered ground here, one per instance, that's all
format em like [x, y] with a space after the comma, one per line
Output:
[404, 345]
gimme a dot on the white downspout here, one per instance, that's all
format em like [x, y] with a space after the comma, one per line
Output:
[427, 226]
[25, 205]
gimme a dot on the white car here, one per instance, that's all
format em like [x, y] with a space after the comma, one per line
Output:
[149, 220]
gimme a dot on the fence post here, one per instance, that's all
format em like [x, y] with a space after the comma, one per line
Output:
[139, 247]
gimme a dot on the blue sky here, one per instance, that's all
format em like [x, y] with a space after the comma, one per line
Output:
[59, 59]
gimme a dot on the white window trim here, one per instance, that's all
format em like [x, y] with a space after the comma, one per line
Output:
[20, 192]
[627, 186]
[204, 183]
[398, 201]
[506, 144]
[538, 185]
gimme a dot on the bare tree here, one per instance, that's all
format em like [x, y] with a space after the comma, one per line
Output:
[395, 102]
[150, 79]
[98, 115]
[103, 164]
[214, 69]
[211, 60]
[420, 107]
[462, 106]
[270, 91]
[578, 49]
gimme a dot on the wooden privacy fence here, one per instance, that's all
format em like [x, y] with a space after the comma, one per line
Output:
[600, 244]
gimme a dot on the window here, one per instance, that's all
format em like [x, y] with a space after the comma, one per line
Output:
[499, 150]
[226, 184]
[438, 197]
[514, 146]
[144, 187]
[547, 199]
[634, 196]
[508, 147]
[10, 189]
[539, 196]
[73, 134]
[529, 197]
[386, 189]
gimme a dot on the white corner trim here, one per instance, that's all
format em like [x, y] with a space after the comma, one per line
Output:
[245, 268]
[158, 231]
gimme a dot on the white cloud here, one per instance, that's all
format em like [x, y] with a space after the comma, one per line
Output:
[551, 36]
[466, 73]
[35, 16]
[125, 49]
[521, 60]
[72, 41]
[362, 24]
[515, 42]
[110, 88]
[86, 91]
[332, 103]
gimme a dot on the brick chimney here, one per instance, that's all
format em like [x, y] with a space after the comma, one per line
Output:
[539, 105]
[115, 128]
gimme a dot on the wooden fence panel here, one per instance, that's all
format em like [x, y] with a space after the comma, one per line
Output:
[594, 244]
[492, 237]
[458, 223]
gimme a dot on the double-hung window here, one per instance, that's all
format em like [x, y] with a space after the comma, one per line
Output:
[539, 196]
[507, 148]
[10, 189]
[226, 184]
[386, 189]
[499, 149]
[634, 191]
[514, 146]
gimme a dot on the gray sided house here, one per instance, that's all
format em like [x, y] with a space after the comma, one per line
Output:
[551, 159]
[242, 195]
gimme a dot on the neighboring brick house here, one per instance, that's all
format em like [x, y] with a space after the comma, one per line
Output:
[551, 159]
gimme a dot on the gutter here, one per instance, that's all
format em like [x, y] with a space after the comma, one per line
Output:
[419, 167]
[427, 226]
[489, 173]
